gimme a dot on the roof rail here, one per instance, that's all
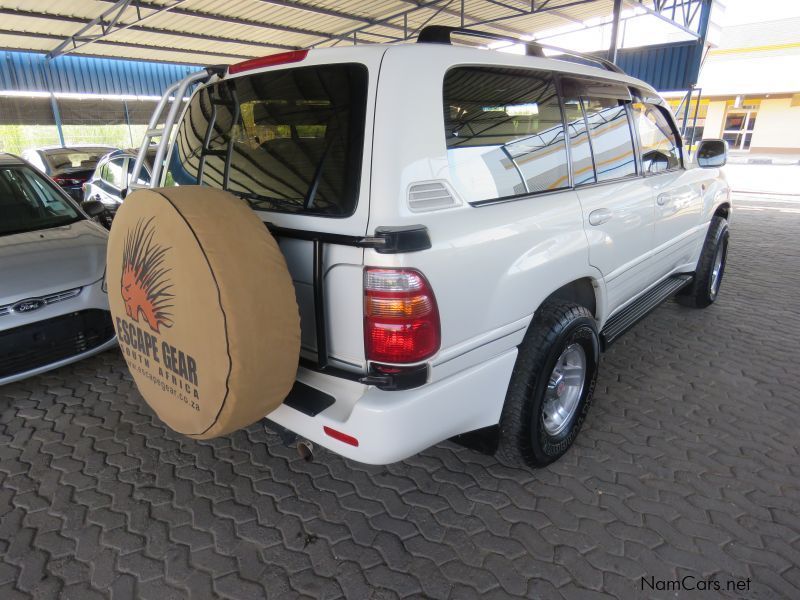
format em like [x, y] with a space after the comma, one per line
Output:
[440, 34]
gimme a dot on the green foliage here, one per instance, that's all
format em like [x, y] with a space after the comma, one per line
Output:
[17, 138]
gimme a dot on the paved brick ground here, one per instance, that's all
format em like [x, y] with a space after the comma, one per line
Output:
[688, 465]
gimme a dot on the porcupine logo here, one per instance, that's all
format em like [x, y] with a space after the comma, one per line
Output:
[145, 279]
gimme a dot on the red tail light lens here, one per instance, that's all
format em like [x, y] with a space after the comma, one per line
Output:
[62, 181]
[268, 61]
[401, 319]
[338, 435]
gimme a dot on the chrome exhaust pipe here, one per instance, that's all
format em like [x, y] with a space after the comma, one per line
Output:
[305, 450]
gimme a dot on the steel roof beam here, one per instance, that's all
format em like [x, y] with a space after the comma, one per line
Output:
[185, 12]
[382, 22]
[542, 7]
[328, 12]
[457, 13]
[51, 36]
[108, 24]
[152, 30]
[662, 5]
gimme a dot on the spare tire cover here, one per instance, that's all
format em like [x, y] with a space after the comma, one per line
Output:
[204, 308]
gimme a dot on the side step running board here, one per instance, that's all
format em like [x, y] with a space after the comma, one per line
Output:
[639, 308]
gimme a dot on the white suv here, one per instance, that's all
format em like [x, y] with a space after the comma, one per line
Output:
[467, 230]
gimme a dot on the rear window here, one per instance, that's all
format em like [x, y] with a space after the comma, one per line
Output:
[288, 140]
[504, 132]
[69, 158]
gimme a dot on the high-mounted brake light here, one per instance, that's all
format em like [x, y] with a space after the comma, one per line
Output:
[401, 319]
[268, 61]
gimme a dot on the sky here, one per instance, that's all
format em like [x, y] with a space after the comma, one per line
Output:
[740, 12]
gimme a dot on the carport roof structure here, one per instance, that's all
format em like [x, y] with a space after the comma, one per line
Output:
[214, 32]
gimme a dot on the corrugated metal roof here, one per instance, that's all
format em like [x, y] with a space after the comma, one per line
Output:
[214, 32]
[27, 72]
[203, 32]
[668, 67]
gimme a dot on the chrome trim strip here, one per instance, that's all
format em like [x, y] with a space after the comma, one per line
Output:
[47, 299]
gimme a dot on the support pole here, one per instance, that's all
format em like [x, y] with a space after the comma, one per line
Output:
[694, 120]
[612, 49]
[686, 111]
[57, 117]
[128, 121]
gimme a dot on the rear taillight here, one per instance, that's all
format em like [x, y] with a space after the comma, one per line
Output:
[268, 61]
[62, 181]
[401, 319]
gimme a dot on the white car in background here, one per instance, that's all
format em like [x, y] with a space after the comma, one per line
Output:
[53, 303]
[69, 166]
[110, 181]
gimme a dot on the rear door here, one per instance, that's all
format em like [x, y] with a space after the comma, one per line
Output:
[618, 211]
[678, 193]
[293, 140]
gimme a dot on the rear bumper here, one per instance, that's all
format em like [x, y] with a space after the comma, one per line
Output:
[391, 426]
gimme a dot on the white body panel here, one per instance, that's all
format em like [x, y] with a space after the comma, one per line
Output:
[490, 266]
[618, 247]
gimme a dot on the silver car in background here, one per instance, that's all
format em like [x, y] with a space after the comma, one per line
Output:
[53, 303]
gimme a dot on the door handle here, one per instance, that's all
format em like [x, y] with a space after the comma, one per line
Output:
[662, 199]
[599, 216]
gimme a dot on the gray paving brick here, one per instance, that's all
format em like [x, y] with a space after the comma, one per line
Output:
[677, 471]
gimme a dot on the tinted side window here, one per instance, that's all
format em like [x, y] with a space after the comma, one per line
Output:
[144, 176]
[660, 147]
[116, 173]
[504, 132]
[610, 134]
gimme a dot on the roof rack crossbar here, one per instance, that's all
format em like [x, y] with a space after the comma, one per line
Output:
[440, 34]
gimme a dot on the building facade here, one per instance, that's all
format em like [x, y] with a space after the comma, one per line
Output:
[750, 89]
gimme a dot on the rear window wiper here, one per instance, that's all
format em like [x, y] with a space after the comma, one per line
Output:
[254, 199]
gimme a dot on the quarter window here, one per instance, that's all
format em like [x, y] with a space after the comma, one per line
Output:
[113, 174]
[660, 147]
[504, 133]
[144, 176]
[610, 135]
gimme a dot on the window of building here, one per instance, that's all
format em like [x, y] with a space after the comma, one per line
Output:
[504, 132]
[739, 126]
[660, 147]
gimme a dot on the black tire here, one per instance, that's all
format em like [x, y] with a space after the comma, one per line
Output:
[704, 289]
[524, 441]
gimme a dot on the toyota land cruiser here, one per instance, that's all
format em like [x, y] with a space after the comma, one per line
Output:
[466, 230]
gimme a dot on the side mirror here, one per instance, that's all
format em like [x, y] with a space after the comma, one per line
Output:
[93, 208]
[123, 193]
[711, 154]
